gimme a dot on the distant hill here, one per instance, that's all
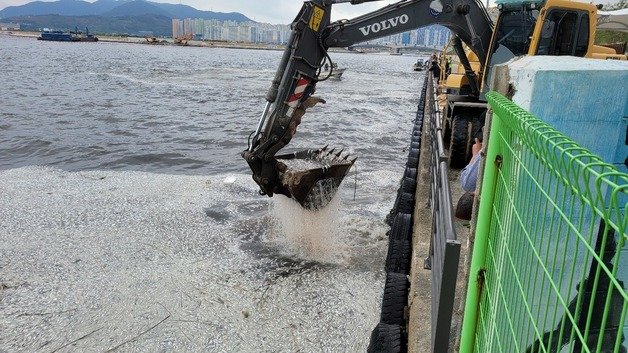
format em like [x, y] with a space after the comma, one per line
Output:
[185, 11]
[108, 16]
[136, 8]
[61, 7]
[132, 25]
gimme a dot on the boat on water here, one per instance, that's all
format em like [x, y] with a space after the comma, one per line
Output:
[72, 36]
[335, 73]
[418, 66]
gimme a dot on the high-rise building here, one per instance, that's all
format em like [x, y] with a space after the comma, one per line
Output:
[433, 36]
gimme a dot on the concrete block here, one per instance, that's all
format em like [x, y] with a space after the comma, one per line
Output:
[586, 99]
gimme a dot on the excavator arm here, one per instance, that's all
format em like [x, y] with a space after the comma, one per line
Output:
[311, 177]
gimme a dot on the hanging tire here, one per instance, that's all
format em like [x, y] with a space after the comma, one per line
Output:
[387, 338]
[408, 185]
[459, 147]
[414, 152]
[395, 299]
[401, 228]
[410, 173]
[413, 162]
[405, 203]
[399, 256]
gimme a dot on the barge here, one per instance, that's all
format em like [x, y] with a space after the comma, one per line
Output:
[61, 36]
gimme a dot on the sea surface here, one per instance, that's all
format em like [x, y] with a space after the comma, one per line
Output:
[129, 222]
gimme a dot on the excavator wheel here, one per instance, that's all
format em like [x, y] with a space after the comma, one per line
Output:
[461, 142]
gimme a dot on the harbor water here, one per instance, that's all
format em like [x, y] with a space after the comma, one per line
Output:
[129, 221]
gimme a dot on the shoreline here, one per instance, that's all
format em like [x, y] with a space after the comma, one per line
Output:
[170, 42]
[205, 44]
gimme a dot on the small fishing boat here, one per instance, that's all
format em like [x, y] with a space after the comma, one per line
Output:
[335, 73]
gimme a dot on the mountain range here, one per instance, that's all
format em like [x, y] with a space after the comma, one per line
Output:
[108, 16]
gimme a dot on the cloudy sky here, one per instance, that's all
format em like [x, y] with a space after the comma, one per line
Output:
[269, 11]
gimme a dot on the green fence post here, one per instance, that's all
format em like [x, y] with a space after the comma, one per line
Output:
[474, 287]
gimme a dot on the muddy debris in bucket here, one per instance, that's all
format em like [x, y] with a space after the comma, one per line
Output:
[313, 176]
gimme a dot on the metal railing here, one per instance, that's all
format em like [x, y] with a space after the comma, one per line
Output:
[547, 266]
[444, 247]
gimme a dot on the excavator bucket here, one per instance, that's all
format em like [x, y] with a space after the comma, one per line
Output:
[313, 176]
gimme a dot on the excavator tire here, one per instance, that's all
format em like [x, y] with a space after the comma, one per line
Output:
[395, 299]
[459, 147]
[398, 257]
[387, 338]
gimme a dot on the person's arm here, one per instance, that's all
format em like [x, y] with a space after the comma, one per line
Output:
[469, 175]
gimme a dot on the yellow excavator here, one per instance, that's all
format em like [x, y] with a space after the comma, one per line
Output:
[183, 40]
[552, 27]
[311, 177]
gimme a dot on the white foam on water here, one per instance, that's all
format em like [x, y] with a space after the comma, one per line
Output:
[312, 235]
[229, 180]
[108, 254]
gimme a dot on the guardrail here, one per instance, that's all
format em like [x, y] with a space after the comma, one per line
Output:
[547, 272]
[444, 247]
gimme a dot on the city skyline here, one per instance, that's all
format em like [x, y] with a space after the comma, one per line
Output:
[433, 36]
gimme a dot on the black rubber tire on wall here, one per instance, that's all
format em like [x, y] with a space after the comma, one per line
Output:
[405, 203]
[395, 299]
[408, 185]
[401, 228]
[387, 338]
[410, 173]
[459, 148]
[398, 257]
[414, 152]
[412, 162]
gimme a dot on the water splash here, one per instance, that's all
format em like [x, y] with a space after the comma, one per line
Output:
[311, 235]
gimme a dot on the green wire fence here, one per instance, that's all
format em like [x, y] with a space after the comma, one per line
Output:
[549, 266]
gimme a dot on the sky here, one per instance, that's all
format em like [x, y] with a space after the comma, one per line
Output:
[269, 11]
